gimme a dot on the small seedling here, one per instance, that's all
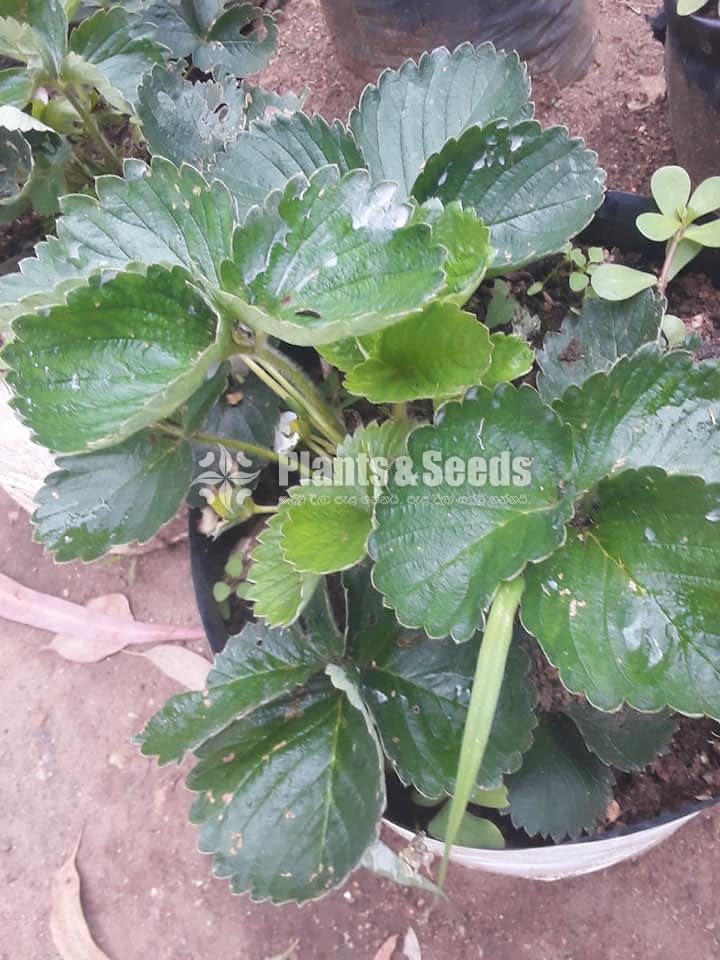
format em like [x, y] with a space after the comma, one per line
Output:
[582, 266]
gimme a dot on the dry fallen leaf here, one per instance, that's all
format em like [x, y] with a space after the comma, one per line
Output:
[86, 634]
[68, 928]
[387, 949]
[411, 945]
[288, 954]
[180, 664]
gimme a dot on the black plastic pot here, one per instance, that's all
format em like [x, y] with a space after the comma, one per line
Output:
[613, 226]
[554, 36]
[692, 68]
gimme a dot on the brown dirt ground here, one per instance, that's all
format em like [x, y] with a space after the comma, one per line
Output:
[68, 765]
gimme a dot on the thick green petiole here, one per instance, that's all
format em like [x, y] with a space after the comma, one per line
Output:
[489, 673]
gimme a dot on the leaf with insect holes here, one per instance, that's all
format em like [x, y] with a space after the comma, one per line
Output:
[216, 36]
[278, 149]
[342, 259]
[278, 591]
[594, 340]
[412, 111]
[439, 353]
[534, 188]
[118, 495]
[627, 609]
[561, 788]
[309, 765]
[489, 496]
[626, 739]
[613, 281]
[112, 52]
[670, 188]
[651, 409]
[257, 665]
[158, 214]
[329, 518]
[418, 689]
[115, 358]
[512, 357]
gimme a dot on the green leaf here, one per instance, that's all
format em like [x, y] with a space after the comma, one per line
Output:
[496, 799]
[329, 517]
[443, 543]
[595, 340]
[708, 234]
[670, 187]
[189, 122]
[278, 591]
[651, 409]
[685, 253]
[257, 665]
[533, 188]
[16, 86]
[412, 111]
[561, 788]
[706, 198]
[467, 241]
[439, 353]
[109, 41]
[501, 309]
[612, 281]
[626, 740]
[116, 358]
[277, 150]
[159, 214]
[18, 41]
[418, 689]
[578, 282]
[657, 227]
[35, 32]
[674, 330]
[114, 496]
[16, 167]
[345, 261]
[310, 767]
[512, 357]
[627, 610]
[473, 831]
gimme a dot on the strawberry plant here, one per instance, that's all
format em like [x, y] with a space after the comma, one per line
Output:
[433, 505]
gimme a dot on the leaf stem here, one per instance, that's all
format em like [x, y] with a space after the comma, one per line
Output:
[489, 673]
[230, 443]
[669, 257]
[93, 130]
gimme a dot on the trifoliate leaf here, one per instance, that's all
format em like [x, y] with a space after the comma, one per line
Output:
[595, 340]
[329, 518]
[418, 690]
[626, 739]
[278, 591]
[613, 281]
[534, 189]
[114, 496]
[256, 666]
[116, 358]
[651, 409]
[350, 262]
[310, 766]
[561, 788]
[670, 187]
[438, 353]
[512, 357]
[627, 609]
[488, 496]
[706, 198]
[277, 150]
[412, 111]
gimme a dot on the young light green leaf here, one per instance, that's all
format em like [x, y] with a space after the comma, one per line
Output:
[707, 234]
[279, 592]
[706, 198]
[501, 309]
[329, 518]
[398, 124]
[418, 691]
[670, 187]
[674, 330]
[578, 282]
[626, 739]
[685, 253]
[561, 788]
[439, 353]
[310, 766]
[475, 832]
[512, 357]
[595, 340]
[490, 169]
[488, 497]
[496, 799]
[651, 409]
[613, 281]
[627, 609]
[116, 358]
[114, 496]
[656, 226]
[277, 150]
[467, 241]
